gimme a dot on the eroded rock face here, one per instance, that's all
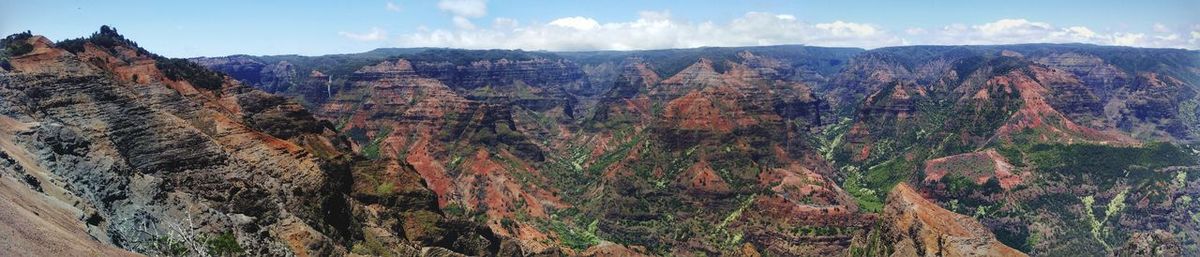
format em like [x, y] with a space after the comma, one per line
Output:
[35, 223]
[917, 227]
[1101, 77]
[151, 164]
[151, 155]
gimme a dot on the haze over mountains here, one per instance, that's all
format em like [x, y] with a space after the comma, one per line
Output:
[989, 150]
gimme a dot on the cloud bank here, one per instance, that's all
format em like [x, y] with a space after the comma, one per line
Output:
[659, 30]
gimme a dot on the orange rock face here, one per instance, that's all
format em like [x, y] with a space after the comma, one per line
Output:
[922, 228]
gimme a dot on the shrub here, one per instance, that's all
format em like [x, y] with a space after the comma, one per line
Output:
[182, 69]
[106, 38]
[15, 45]
[223, 245]
[454, 210]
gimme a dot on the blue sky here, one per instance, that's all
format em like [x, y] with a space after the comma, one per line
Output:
[214, 28]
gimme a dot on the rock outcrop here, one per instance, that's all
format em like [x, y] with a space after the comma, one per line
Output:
[126, 149]
[917, 227]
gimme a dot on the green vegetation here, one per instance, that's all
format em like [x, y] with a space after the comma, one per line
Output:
[15, 45]
[1189, 114]
[224, 244]
[385, 189]
[874, 245]
[371, 150]
[1129, 171]
[870, 188]
[868, 199]
[421, 225]
[182, 69]
[1098, 228]
[371, 246]
[1107, 164]
[107, 38]
[454, 209]
[573, 237]
[610, 157]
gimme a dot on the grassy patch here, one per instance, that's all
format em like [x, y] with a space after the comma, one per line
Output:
[574, 237]
[372, 149]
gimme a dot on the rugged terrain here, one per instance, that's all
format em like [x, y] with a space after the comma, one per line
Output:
[120, 148]
[1042, 149]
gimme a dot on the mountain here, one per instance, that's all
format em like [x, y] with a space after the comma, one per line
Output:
[750, 138]
[122, 149]
[1026, 138]
[530, 140]
[1008, 150]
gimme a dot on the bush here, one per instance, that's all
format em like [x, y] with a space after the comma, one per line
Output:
[223, 245]
[182, 69]
[15, 45]
[106, 38]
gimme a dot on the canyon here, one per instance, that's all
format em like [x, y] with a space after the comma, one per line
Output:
[1000, 150]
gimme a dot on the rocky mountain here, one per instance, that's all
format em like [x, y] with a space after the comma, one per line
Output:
[1011, 150]
[527, 141]
[118, 149]
[1025, 138]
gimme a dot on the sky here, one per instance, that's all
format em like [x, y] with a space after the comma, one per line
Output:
[269, 27]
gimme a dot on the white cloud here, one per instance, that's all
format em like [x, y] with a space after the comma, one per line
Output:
[1195, 36]
[376, 34]
[655, 30]
[1161, 28]
[1016, 31]
[392, 6]
[505, 23]
[658, 30]
[463, 11]
[577, 22]
[464, 8]
[842, 28]
[1127, 39]
[1081, 31]
[463, 23]
[1012, 27]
